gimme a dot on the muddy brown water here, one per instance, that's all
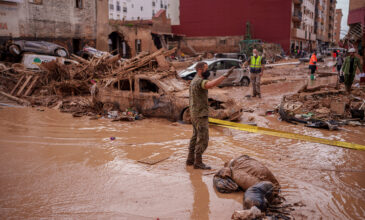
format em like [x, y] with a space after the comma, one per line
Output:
[56, 166]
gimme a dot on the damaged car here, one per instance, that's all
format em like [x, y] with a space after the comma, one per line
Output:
[218, 67]
[159, 96]
[17, 47]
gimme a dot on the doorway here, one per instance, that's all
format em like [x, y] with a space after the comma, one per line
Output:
[118, 45]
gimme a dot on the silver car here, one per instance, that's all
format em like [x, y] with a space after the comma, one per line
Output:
[217, 67]
[41, 47]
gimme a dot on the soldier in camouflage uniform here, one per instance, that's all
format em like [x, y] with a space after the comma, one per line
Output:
[198, 106]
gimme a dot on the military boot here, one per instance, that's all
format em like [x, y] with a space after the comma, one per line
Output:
[191, 158]
[199, 163]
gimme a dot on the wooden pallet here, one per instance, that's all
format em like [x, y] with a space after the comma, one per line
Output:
[25, 84]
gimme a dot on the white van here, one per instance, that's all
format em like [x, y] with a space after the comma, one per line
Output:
[329, 51]
[32, 61]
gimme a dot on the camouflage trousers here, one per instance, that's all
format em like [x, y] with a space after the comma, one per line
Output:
[256, 81]
[200, 138]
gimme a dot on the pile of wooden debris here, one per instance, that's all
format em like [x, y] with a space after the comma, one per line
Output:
[58, 79]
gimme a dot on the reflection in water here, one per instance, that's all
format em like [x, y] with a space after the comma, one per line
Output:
[201, 195]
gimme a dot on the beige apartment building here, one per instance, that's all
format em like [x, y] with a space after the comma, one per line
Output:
[325, 23]
[303, 36]
[337, 30]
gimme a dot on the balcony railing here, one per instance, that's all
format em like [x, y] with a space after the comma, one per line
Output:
[297, 16]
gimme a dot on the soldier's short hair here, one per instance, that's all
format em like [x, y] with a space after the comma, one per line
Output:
[200, 65]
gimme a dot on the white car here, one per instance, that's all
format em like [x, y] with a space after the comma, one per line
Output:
[218, 67]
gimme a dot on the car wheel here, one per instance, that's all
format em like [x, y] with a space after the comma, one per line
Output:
[61, 52]
[245, 81]
[14, 50]
[186, 116]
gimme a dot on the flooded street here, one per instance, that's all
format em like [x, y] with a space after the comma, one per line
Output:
[57, 166]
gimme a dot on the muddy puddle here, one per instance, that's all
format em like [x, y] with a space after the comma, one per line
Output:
[56, 166]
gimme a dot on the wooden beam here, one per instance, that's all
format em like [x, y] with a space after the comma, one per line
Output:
[17, 84]
[24, 85]
[20, 101]
[30, 88]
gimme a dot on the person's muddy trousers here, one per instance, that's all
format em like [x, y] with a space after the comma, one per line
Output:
[349, 79]
[200, 138]
[256, 81]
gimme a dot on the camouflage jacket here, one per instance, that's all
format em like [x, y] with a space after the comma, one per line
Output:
[198, 97]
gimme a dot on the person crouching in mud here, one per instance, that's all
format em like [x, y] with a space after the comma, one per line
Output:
[198, 106]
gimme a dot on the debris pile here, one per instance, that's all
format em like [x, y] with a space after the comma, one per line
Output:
[324, 107]
[67, 86]
[272, 52]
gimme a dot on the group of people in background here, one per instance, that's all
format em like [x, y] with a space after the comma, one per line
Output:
[346, 67]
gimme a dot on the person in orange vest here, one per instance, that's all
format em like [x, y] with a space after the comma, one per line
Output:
[313, 64]
[334, 55]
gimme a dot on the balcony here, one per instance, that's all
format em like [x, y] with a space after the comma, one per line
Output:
[297, 2]
[297, 33]
[312, 36]
[297, 16]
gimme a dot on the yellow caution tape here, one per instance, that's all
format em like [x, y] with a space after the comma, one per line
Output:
[283, 134]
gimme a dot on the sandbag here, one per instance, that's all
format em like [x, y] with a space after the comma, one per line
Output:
[245, 172]
[259, 195]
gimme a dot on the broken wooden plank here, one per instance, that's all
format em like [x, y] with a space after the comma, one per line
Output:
[30, 88]
[79, 59]
[17, 84]
[24, 85]
[20, 101]
[170, 52]
[155, 158]
[162, 62]
[113, 59]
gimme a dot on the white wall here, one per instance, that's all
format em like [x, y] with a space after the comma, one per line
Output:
[173, 11]
[136, 9]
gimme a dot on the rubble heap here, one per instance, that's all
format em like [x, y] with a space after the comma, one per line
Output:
[272, 52]
[56, 83]
[324, 104]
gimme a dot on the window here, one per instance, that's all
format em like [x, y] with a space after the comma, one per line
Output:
[141, 8]
[132, 5]
[124, 9]
[78, 3]
[118, 6]
[161, 5]
[230, 63]
[153, 13]
[111, 7]
[165, 7]
[223, 42]
[217, 66]
[153, 4]
[138, 46]
[147, 86]
[124, 85]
